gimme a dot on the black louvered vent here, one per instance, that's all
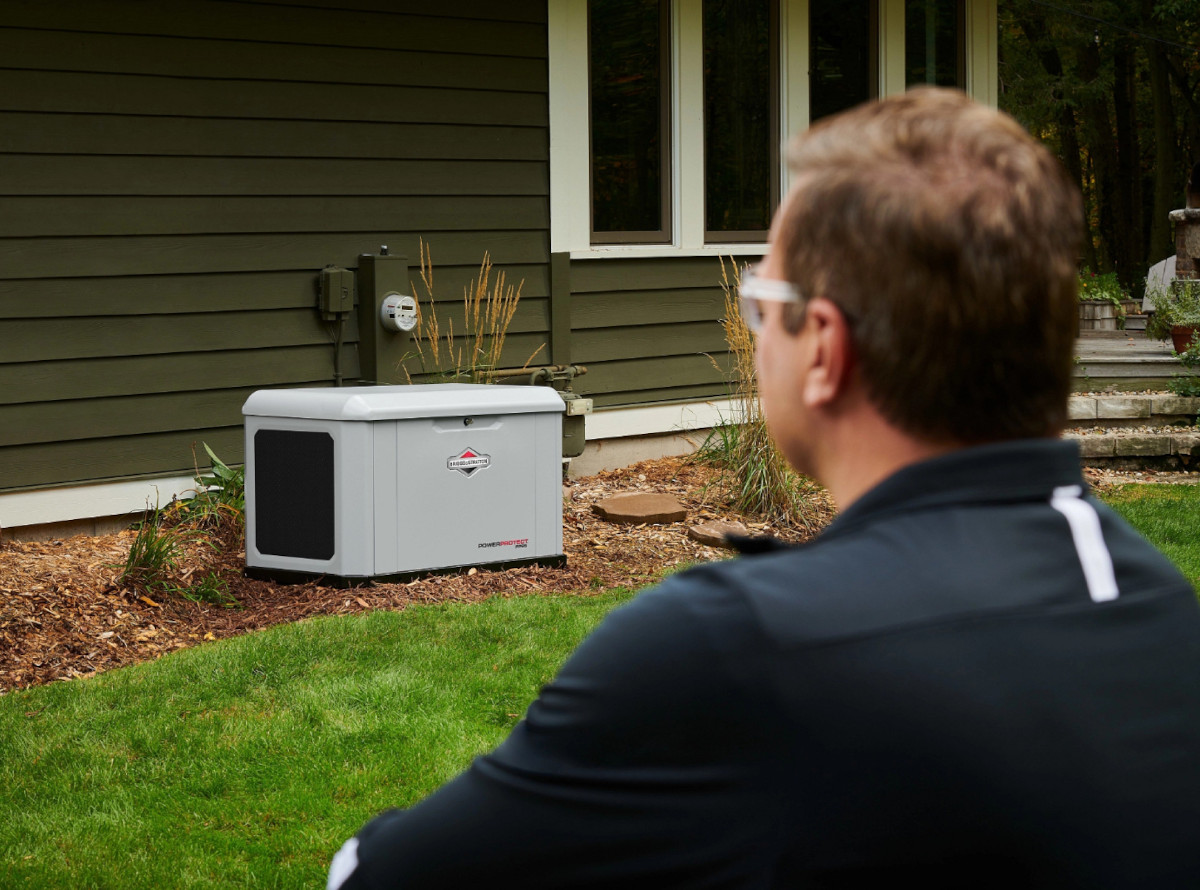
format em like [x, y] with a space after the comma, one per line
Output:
[293, 490]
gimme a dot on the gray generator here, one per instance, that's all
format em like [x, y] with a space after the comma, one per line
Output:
[384, 482]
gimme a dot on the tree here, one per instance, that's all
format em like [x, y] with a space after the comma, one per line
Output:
[1114, 89]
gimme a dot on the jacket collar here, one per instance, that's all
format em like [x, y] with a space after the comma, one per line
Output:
[1022, 470]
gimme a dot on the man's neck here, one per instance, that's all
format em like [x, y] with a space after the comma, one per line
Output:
[856, 457]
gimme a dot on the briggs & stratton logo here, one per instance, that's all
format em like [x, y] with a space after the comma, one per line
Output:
[469, 462]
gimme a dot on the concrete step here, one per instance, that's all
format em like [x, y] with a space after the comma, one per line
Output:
[1136, 429]
[1117, 410]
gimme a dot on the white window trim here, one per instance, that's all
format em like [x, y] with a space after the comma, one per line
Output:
[570, 187]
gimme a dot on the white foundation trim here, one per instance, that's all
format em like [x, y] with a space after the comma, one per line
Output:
[616, 423]
[22, 508]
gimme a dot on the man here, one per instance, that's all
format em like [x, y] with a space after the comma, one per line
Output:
[977, 676]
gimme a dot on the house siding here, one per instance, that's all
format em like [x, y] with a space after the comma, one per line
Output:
[648, 330]
[174, 174]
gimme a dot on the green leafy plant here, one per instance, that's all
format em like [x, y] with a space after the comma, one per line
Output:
[1187, 384]
[154, 553]
[208, 588]
[1177, 307]
[1101, 287]
[218, 505]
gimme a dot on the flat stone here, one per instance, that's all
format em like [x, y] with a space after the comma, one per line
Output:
[1143, 446]
[1122, 406]
[633, 509]
[1081, 408]
[1096, 446]
[1187, 443]
[716, 533]
[1176, 405]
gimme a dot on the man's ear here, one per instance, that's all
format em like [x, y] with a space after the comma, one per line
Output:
[832, 353]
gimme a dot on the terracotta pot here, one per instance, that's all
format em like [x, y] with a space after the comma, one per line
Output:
[1181, 336]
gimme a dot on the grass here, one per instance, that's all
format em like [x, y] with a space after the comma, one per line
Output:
[1169, 516]
[247, 762]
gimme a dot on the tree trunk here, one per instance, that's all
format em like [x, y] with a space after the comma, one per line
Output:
[1033, 24]
[1128, 249]
[1098, 123]
[1160, 243]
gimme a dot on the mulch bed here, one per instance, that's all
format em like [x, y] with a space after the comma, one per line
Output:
[64, 614]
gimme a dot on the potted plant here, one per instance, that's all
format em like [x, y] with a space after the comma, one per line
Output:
[1176, 314]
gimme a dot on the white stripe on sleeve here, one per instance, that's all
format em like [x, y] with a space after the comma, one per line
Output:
[343, 864]
[1089, 542]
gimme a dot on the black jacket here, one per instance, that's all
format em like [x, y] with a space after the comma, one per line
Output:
[936, 688]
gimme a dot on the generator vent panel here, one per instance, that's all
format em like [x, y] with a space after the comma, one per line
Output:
[293, 490]
[356, 483]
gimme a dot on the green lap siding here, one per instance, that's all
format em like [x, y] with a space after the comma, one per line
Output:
[173, 175]
[649, 329]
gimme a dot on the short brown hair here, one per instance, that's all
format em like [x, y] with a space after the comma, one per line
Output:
[949, 238]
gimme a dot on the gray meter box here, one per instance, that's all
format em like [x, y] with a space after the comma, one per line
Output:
[376, 482]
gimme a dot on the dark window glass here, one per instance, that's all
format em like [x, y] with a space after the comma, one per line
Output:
[843, 55]
[628, 69]
[933, 42]
[741, 127]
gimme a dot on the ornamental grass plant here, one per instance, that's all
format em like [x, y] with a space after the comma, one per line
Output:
[473, 352]
[755, 476]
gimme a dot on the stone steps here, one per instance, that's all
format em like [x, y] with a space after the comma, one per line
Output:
[1131, 428]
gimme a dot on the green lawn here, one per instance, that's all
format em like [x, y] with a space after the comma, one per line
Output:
[245, 763]
[1169, 516]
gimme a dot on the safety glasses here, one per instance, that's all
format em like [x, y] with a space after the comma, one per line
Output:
[754, 290]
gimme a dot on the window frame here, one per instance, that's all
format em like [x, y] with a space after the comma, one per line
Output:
[569, 126]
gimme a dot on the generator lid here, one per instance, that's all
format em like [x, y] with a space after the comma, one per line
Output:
[371, 403]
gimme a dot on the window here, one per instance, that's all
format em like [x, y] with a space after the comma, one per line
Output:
[741, 118]
[667, 117]
[629, 80]
[844, 53]
[933, 43]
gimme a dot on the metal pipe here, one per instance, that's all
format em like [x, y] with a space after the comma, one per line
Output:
[568, 371]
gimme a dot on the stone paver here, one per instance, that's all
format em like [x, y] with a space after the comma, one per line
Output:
[1081, 408]
[1175, 405]
[633, 509]
[1096, 446]
[1122, 406]
[716, 532]
[1142, 446]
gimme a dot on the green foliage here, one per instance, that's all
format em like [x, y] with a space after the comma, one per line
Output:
[220, 497]
[154, 552]
[1101, 287]
[210, 521]
[1111, 88]
[247, 762]
[1188, 384]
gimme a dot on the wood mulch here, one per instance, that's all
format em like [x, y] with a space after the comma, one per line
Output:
[64, 614]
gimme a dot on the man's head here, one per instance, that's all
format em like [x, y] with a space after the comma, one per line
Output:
[947, 237]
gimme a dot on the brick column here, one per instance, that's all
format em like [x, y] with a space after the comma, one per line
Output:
[1187, 243]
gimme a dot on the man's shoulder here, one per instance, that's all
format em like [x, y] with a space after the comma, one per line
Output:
[965, 563]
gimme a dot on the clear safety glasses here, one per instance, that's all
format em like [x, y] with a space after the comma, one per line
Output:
[754, 290]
